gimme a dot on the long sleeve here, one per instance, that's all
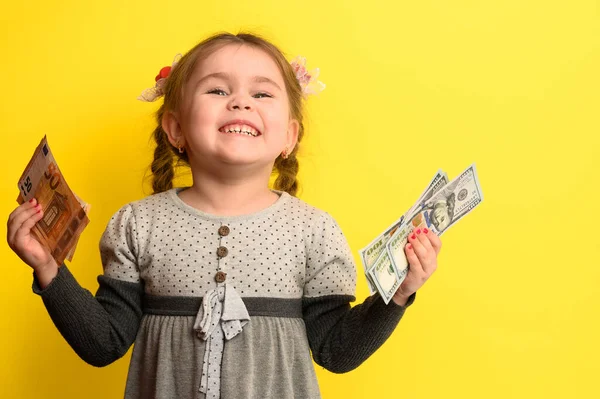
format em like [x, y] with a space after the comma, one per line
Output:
[341, 337]
[100, 328]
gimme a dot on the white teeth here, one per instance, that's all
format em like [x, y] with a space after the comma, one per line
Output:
[241, 129]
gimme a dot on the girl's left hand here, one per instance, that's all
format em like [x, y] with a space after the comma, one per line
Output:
[421, 251]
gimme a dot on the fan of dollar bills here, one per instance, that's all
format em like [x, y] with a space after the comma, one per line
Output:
[65, 214]
[440, 206]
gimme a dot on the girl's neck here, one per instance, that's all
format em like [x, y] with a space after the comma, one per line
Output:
[228, 197]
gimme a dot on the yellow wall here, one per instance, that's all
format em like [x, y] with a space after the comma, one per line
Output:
[413, 86]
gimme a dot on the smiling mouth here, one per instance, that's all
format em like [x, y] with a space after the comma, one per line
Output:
[240, 129]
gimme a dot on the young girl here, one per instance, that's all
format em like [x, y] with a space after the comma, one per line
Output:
[225, 285]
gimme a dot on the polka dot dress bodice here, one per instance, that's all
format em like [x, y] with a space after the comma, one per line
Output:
[288, 250]
[278, 256]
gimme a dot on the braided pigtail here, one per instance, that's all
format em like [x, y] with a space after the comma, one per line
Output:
[163, 168]
[287, 171]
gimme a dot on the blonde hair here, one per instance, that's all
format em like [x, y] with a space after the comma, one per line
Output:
[167, 157]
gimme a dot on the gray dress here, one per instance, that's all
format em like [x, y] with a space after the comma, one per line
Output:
[221, 307]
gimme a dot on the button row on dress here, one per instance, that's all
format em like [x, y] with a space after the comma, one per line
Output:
[221, 253]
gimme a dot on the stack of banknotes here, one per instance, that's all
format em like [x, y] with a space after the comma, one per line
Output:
[440, 206]
[65, 214]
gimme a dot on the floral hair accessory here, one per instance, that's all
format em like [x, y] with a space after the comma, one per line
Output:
[153, 93]
[308, 80]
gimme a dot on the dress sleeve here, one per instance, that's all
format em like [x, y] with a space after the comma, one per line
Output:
[100, 328]
[341, 337]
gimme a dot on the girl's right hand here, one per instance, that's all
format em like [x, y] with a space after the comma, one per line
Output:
[24, 244]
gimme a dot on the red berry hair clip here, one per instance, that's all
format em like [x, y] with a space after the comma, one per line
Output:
[153, 93]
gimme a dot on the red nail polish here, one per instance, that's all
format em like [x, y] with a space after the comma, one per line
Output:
[31, 201]
[413, 236]
[425, 230]
[409, 246]
[418, 231]
[39, 210]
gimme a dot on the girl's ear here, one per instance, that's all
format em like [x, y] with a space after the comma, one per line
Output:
[171, 126]
[292, 135]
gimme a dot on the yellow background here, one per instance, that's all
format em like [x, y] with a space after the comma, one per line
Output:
[412, 86]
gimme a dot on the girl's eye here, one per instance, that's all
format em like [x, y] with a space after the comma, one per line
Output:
[262, 95]
[218, 92]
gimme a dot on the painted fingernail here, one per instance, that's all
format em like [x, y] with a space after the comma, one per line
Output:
[413, 236]
[31, 201]
[39, 210]
[418, 231]
[409, 246]
[425, 230]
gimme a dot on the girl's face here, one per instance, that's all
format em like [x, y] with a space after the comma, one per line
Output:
[235, 110]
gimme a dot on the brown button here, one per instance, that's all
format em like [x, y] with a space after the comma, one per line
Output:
[223, 231]
[220, 277]
[222, 252]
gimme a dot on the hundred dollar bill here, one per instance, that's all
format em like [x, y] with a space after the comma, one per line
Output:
[64, 216]
[385, 277]
[451, 203]
[395, 246]
[371, 252]
[439, 180]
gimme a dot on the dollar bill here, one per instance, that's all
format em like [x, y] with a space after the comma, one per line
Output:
[395, 247]
[375, 248]
[371, 252]
[64, 216]
[441, 211]
[385, 277]
[439, 180]
[453, 201]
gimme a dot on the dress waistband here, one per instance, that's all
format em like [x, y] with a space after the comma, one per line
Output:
[188, 306]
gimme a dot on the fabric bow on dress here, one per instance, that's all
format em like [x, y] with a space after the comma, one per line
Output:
[221, 317]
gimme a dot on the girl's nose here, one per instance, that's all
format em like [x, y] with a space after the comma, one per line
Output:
[239, 102]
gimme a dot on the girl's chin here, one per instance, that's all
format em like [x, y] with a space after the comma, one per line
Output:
[239, 154]
[243, 159]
